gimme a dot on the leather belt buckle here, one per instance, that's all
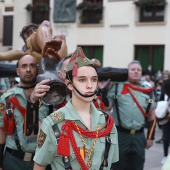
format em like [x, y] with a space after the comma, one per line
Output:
[132, 131]
[28, 156]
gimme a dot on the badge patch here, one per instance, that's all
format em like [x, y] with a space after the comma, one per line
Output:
[41, 138]
[57, 116]
[2, 107]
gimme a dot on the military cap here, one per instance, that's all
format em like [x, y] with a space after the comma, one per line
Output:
[77, 60]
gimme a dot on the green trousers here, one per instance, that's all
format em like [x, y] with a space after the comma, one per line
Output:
[11, 162]
[131, 151]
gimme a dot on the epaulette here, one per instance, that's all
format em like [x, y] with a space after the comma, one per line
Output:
[57, 117]
[8, 94]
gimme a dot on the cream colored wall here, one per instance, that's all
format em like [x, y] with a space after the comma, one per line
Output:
[70, 30]
[4, 4]
[21, 18]
[118, 35]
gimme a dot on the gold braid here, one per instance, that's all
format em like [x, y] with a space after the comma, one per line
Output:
[90, 151]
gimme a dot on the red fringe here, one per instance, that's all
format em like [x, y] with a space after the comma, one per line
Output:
[63, 145]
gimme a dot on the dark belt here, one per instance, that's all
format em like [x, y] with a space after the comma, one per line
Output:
[130, 131]
[26, 156]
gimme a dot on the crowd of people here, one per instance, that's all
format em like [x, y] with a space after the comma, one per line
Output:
[60, 114]
[157, 81]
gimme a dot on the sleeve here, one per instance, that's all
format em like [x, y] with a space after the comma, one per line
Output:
[114, 149]
[2, 110]
[43, 112]
[4, 84]
[153, 104]
[46, 145]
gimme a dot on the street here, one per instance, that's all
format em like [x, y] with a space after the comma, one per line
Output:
[155, 154]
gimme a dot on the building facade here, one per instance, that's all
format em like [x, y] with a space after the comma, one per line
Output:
[114, 31]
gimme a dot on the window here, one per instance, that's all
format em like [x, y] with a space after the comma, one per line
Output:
[91, 11]
[152, 14]
[93, 52]
[40, 11]
[150, 55]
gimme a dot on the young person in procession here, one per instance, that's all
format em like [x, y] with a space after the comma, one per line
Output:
[70, 137]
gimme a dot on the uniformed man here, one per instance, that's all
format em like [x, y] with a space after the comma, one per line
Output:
[133, 106]
[42, 88]
[16, 149]
[4, 84]
[70, 138]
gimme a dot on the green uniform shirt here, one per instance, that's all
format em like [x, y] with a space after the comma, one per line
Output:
[27, 144]
[130, 115]
[46, 152]
[4, 84]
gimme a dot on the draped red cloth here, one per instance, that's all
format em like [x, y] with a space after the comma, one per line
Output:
[126, 89]
[9, 124]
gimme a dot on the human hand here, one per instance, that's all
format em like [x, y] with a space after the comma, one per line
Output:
[149, 143]
[39, 91]
[103, 84]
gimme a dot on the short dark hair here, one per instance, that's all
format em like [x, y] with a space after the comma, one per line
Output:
[25, 29]
[64, 59]
[17, 64]
[69, 75]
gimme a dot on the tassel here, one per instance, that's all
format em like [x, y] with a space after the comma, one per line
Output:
[74, 72]
[63, 145]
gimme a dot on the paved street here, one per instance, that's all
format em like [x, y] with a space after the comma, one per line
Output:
[154, 155]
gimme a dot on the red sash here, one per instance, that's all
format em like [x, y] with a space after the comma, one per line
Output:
[126, 89]
[9, 123]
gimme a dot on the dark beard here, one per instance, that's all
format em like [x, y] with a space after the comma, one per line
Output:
[30, 82]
